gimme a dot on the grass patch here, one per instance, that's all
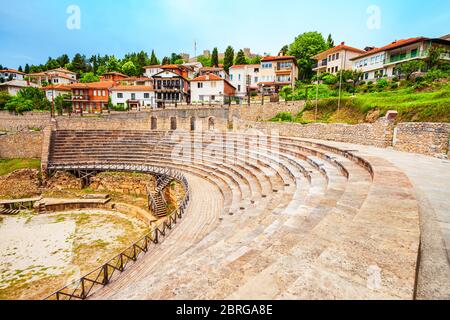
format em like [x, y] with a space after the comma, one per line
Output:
[10, 165]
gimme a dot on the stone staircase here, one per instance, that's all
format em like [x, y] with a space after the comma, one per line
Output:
[298, 219]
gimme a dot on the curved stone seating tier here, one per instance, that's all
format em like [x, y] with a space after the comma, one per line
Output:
[302, 220]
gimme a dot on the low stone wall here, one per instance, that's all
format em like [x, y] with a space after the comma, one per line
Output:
[425, 138]
[31, 120]
[378, 134]
[257, 112]
[21, 145]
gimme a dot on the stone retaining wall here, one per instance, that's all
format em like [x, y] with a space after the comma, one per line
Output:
[31, 120]
[256, 112]
[378, 134]
[426, 138]
[21, 145]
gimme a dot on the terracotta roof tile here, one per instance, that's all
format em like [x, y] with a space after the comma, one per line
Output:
[132, 88]
[390, 46]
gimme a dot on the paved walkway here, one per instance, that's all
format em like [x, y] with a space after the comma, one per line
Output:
[431, 180]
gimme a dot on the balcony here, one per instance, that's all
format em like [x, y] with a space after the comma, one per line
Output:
[320, 65]
[81, 98]
[168, 88]
[415, 54]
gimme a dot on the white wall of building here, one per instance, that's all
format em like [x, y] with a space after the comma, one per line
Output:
[146, 99]
[238, 78]
[207, 91]
[150, 72]
[14, 76]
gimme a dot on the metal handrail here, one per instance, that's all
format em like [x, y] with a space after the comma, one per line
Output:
[81, 289]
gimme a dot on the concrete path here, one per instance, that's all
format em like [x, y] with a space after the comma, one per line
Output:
[431, 180]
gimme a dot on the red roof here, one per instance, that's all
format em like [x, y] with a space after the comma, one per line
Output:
[12, 71]
[277, 58]
[92, 85]
[132, 88]
[60, 87]
[210, 77]
[342, 46]
[240, 66]
[392, 45]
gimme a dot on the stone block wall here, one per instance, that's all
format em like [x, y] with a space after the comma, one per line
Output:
[257, 112]
[378, 134]
[31, 120]
[21, 145]
[425, 138]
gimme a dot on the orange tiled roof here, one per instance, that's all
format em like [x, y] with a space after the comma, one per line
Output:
[342, 46]
[240, 66]
[92, 85]
[132, 88]
[390, 46]
[276, 58]
[12, 71]
[211, 77]
[50, 75]
[153, 67]
[60, 86]
[115, 73]
[136, 79]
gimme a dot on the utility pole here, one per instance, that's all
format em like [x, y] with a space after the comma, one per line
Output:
[317, 95]
[52, 112]
[340, 80]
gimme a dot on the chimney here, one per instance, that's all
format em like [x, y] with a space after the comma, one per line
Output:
[342, 43]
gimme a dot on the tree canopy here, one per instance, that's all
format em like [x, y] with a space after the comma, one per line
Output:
[228, 59]
[215, 58]
[304, 47]
[240, 58]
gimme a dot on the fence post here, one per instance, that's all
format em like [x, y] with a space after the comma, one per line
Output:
[105, 275]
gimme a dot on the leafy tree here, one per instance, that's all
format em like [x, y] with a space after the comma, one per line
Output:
[63, 60]
[78, 64]
[4, 98]
[228, 59]
[27, 68]
[51, 64]
[95, 63]
[434, 57]
[62, 104]
[89, 77]
[113, 65]
[20, 69]
[240, 58]
[205, 61]
[165, 61]
[285, 50]
[174, 58]
[408, 68]
[215, 58]
[129, 68]
[19, 105]
[254, 60]
[36, 96]
[101, 70]
[153, 59]
[330, 42]
[304, 48]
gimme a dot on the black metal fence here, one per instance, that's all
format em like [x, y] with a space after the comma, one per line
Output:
[102, 276]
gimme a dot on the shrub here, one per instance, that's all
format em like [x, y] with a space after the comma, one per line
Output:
[283, 117]
[382, 83]
[329, 79]
[395, 79]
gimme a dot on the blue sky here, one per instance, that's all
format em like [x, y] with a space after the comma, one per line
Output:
[33, 30]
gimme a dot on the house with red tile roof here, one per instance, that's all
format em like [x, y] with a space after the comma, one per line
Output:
[277, 72]
[171, 88]
[55, 76]
[383, 61]
[335, 59]
[113, 76]
[53, 91]
[211, 88]
[133, 96]
[11, 74]
[218, 71]
[90, 97]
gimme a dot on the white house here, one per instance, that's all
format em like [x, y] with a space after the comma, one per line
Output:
[133, 96]
[211, 88]
[382, 62]
[55, 76]
[242, 76]
[150, 71]
[11, 74]
[336, 59]
[14, 86]
[218, 71]
[52, 91]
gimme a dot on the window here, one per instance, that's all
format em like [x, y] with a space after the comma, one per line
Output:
[213, 84]
[337, 56]
[120, 95]
[133, 96]
[199, 85]
[146, 95]
[239, 87]
[95, 93]
[239, 76]
[231, 77]
[267, 65]
[256, 79]
[213, 98]
[365, 62]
